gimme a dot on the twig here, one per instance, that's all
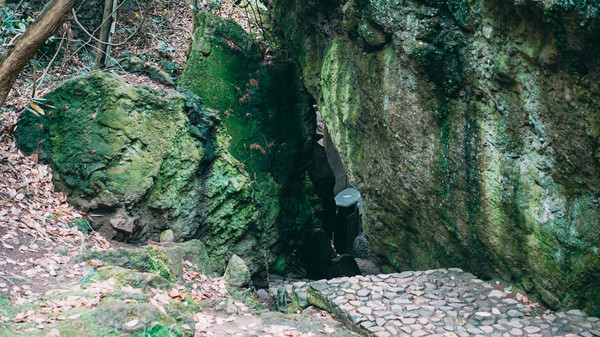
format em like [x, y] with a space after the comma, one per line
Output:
[41, 79]
[137, 29]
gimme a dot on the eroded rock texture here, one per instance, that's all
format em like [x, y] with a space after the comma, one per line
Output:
[142, 161]
[260, 99]
[471, 129]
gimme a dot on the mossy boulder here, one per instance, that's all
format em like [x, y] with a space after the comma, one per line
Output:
[144, 161]
[259, 97]
[471, 135]
[135, 279]
[165, 261]
[129, 155]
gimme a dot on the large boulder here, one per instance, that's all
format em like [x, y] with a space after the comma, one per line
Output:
[471, 129]
[143, 161]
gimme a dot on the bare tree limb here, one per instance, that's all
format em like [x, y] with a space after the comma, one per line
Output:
[137, 29]
[15, 59]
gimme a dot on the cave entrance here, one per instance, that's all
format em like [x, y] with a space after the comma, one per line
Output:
[337, 247]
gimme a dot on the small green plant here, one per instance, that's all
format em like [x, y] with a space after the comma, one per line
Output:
[82, 224]
[11, 24]
[158, 265]
[215, 4]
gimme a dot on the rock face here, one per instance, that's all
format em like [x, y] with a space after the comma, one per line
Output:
[143, 161]
[260, 99]
[471, 129]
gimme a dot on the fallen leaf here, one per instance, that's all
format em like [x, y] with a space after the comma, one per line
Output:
[37, 109]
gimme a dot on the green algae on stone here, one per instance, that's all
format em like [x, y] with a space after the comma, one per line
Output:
[167, 260]
[125, 152]
[135, 279]
[471, 135]
[268, 130]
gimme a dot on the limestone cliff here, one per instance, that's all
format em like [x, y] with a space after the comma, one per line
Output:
[470, 127]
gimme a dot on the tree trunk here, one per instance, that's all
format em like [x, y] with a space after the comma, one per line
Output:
[104, 31]
[14, 60]
[194, 4]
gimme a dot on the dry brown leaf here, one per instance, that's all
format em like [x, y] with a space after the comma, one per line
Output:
[37, 109]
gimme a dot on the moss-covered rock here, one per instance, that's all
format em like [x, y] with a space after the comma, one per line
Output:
[165, 261]
[269, 126]
[237, 275]
[131, 155]
[472, 133]
[135, 279]
[144, 162]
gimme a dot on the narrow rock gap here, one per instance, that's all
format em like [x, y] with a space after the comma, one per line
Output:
[338, 248]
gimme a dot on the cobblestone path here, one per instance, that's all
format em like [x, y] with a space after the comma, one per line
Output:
[442, 302]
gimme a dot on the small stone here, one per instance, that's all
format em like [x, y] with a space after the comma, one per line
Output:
[532, 329]
[380, 321]
[60, 250]
[167, 236]
[576, 312]
[363, 293]
[354, 316]
[262, 295]
[487, 329]
[230, 308]
[366, 324]
[516, 332]
[474, 331]
[514, 313]
[419, 333]
[365, 310]
[515, 324]
[382, 334]
[340, 300]
[402, 300]
[408, 321]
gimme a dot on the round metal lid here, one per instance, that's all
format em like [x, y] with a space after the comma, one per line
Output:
[347, 197]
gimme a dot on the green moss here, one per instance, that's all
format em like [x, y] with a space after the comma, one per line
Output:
[132, 153]
[317, 299]
[267, 128]
[161, 330]
[279, 266]
[158, 261]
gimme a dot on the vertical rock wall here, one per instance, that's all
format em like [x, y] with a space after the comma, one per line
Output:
[471, 129]
[260, 99]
